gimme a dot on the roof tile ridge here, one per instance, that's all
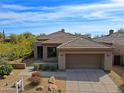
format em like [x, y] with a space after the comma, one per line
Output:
[97, 42]
[101, 43]
[68, 42]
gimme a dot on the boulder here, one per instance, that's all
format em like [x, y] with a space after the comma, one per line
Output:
[52, 87]
[52, 80]
[40, 88]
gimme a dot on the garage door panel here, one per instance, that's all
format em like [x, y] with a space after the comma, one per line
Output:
[84, 60]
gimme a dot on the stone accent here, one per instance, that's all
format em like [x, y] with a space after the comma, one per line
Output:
[52, 87]
[52, 80]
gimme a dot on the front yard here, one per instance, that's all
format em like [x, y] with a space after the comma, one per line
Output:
[6, 85]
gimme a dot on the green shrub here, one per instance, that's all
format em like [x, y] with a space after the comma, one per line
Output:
[5, 69]
[53, 67]
[47, 67]
[40, 66]
[36, 67]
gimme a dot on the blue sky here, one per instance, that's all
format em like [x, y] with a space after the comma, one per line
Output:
[45, 16]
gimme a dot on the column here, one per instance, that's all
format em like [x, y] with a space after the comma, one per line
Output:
[35, 52]
[61, 61]
[44, 53]
[108, 61]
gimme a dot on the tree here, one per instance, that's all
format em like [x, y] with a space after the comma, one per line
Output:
[121, 30]
[41, 34]
[77, 34]
[96, 36]
[28, 35]
[1, 36]
[13, 38]
[87, 35]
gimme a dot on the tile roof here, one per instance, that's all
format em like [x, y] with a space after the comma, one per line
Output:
[80, 42]
[115, 38]
[67, 40]
[59, 37]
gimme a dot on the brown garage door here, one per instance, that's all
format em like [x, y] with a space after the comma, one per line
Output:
[84, 60]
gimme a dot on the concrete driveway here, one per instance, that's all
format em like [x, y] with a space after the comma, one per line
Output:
[89, 81]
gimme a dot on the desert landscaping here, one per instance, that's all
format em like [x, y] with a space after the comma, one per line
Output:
[33, 83]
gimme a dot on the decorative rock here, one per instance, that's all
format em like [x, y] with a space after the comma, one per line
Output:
[6, 84]
[52, 87]
[14, 85]
[40, 88]
[52, 80]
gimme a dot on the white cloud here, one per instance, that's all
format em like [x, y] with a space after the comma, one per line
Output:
[106, 11]
[15, 7]
[118, 1]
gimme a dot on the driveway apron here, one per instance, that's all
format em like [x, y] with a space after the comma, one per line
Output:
[89, 81]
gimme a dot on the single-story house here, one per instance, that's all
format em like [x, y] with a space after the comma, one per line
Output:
[116, 40]
[71, 51]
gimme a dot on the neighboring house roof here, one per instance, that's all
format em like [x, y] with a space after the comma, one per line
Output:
[80, 42]
[41, 38]
[59, 38]
[115, 38]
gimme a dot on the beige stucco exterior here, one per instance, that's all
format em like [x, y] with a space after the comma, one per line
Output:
[106, 63]
[119, 50]
[45, 58]
[72, 49]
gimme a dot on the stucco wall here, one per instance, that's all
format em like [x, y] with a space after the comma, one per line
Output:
[36, 44]
[108, 61]
[119, 50]
[45, 58]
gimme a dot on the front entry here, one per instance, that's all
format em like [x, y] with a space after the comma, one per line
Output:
[117, 60]
[40, 51]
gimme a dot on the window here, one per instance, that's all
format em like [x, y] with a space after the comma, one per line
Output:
[51, 52]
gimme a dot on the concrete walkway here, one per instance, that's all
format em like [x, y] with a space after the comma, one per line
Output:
[89, 81]
[28, 71]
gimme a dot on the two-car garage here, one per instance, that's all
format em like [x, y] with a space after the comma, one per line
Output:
[84, 60]
[84, 53]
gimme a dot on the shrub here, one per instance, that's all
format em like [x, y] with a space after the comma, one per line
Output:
[40, 66]
[45, 67]
[35, 78]
[36, 67]
[5, 69]
[51, 67]
[36, 73]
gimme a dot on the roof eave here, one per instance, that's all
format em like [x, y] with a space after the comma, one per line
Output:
[80, 48]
